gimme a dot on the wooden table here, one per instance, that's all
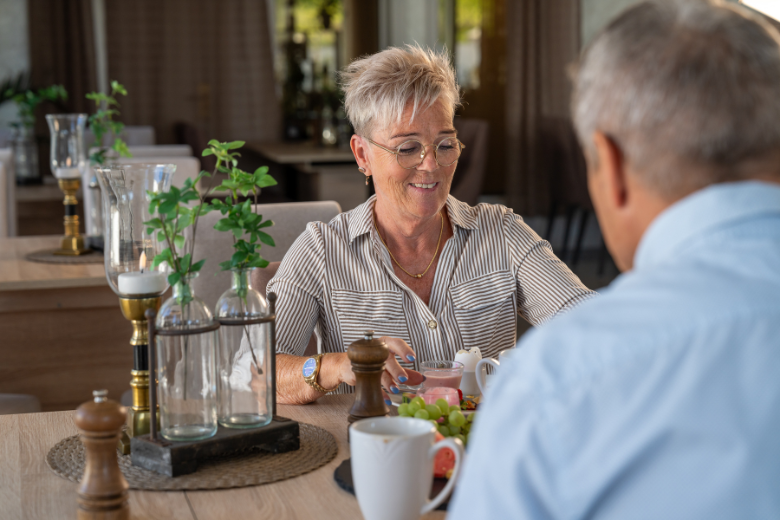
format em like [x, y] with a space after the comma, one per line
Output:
[304, 154]
[317, 173]
[62, 333]
[29, 490]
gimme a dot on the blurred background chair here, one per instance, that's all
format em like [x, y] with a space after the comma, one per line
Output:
[131, 135]
[290, 221]
[3, 203]
[8, 220]
[467, 183]
[186, 167]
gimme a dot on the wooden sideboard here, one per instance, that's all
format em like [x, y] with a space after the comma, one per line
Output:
[62, 333]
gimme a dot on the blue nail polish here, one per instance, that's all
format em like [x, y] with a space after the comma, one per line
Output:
[388, 402]
[403, 379]
[424, 378]
[394, 389]
[411, 358]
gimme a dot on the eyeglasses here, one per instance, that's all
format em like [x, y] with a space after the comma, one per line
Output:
[411, 154]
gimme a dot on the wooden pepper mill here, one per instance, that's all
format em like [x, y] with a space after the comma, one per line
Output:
[368, 357]
[103, 489]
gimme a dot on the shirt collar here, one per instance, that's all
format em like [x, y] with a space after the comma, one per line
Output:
[362, 218]
[704, 211]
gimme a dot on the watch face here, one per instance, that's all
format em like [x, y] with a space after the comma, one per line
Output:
[309, 367]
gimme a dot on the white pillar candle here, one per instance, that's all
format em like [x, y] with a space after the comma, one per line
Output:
[67, 173]
[140, 282]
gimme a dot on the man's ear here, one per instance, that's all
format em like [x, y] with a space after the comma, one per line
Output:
[611, 170]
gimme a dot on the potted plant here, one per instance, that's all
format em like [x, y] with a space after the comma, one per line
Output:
[186, 346]
[102, 123]
[24, 145]
[245, 381]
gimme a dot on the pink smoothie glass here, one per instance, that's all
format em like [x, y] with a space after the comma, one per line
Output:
[442, 380]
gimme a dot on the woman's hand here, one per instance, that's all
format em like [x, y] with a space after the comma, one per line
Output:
[394, 373]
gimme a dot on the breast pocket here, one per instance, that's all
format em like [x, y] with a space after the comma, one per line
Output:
[485, 312]
[380, 311]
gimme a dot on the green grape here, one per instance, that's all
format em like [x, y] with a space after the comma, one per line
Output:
[461, 437]
[444, 430]
[457, 418]
[419, 401]
[471, 416]
[443, 405]
[433, 411]
[403, 410]
[454, 408]
[435, 424]
[454, 430]
[421, 414]
[413, 408]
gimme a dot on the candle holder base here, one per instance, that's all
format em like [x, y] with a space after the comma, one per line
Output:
[138, 417]
[72, 243]
[72, 246]
[180, 458]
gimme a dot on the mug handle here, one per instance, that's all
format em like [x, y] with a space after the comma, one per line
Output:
[457, 447]
[482, 375]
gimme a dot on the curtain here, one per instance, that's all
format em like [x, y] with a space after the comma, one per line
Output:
[62, 50]
[542, 39]
[204, 62]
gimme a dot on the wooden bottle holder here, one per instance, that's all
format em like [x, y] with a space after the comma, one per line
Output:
[180, 458]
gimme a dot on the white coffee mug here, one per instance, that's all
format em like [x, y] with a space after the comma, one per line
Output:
[392, 466]
[481, 370]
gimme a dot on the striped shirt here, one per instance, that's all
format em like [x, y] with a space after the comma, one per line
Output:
[337, 279]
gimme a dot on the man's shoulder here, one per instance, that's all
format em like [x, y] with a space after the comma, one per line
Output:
[642, 316]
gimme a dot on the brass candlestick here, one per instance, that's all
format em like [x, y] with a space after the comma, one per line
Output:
[72, 243]
[139, 415]
[368, 357]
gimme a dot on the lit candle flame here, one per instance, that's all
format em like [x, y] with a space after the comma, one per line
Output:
[142, 261]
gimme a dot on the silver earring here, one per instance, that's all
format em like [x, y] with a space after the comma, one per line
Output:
[361, 169]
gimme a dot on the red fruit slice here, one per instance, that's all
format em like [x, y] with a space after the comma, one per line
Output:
[444, 462]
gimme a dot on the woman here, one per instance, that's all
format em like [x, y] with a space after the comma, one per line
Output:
[429, 274]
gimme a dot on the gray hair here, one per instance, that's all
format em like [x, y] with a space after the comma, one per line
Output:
[378, 87]
[689, 90]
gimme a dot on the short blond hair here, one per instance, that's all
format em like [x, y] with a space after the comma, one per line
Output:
[378, 87]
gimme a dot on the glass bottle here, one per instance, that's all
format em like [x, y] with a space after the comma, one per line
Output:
[187, 339]
[244, 366]
[25, 156]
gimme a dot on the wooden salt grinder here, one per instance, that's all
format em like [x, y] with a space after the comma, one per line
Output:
[368, 357]
[103, 489]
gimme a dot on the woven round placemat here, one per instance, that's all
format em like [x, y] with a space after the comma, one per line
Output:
[247, 468]
[47, 256]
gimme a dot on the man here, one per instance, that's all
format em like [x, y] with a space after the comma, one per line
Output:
[661, 398]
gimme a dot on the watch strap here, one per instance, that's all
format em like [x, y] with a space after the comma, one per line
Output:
[312, 380]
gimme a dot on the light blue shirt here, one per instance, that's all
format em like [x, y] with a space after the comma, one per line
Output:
[659, 399]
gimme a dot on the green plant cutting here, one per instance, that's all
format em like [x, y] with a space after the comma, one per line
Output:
[239, 218]
[29, 100]
[174, 215]
[102, 123]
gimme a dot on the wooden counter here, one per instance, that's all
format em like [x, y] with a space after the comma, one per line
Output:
[62, 334]
[29, 490]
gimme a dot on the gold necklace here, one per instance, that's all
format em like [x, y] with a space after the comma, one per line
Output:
[441, 231]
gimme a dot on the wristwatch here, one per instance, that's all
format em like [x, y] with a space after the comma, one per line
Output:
[311, 369]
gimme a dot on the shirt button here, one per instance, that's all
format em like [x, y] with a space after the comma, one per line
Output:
[432, 324]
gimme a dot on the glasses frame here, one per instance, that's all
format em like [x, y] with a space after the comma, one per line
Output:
[424, 152]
